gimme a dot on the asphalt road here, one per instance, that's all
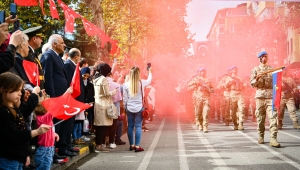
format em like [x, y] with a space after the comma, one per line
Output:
[174, 142]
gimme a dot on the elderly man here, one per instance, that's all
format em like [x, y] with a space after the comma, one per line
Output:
[263, 99]
[56, 83]
[70, 66]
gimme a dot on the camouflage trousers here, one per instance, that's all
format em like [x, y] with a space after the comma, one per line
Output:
[290, 104]
[201, 112]
[263, 108]
[227, 108]
[237, 107]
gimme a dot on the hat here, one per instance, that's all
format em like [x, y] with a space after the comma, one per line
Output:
[233, 67]
[85, 70]
[201, 69]
[261, 54]
[34, 31]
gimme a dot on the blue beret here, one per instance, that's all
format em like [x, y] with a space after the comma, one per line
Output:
[200, 69]
[261, 54]
[229, 69]
[85, 70]
[233, 67]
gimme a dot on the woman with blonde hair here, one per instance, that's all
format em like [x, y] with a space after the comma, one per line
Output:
[133, 104]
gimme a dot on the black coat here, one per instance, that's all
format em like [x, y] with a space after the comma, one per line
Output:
[15, 135]
[70, 69]
[54, 74]
[7, 59]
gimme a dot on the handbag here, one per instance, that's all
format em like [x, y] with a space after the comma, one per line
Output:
[111, 110]
[86, 125]
[145, 112]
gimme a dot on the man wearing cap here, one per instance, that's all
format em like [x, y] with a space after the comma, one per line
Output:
[263, 99]
[202, 88]
[237, 101]
[35, 41]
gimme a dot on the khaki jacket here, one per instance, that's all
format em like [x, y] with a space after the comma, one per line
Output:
[103, 98]
[264, 84]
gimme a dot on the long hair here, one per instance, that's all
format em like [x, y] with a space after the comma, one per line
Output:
[134, 78]
[9, 83]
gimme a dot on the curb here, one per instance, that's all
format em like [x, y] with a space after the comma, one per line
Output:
[84, 151]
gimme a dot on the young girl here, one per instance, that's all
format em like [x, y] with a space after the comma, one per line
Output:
[14, 153]
[44, 154]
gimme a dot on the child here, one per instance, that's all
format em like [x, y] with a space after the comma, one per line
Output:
[45, 151]
[14, 153]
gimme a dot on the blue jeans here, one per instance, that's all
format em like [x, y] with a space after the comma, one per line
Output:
[7, 164]
[77, 129]
[117, 104]
[44, 157]
[119, 129]
[134, 120]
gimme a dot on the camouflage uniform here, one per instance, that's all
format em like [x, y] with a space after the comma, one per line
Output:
[237, 101]
[287, 99]
[224, 85]
[263, 101]
[201, 95]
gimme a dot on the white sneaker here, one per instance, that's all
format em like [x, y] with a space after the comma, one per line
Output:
[112, 146]
[86, 139]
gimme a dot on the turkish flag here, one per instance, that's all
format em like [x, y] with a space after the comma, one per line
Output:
[64, 107]
[26, 2]
[53, 10]
[89, 27]
[114, 47]
[42, 6]
[32, 72]
[70, 16]
[75, 83]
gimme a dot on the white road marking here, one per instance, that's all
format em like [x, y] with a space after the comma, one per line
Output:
[145, 162]
[182, 154]
[214, 154]
[297, 137]
[268, 148]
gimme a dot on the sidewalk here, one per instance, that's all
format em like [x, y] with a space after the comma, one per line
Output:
[84, 151]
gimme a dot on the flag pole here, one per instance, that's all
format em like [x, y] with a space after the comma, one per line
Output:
[37, 75]
[58, 122]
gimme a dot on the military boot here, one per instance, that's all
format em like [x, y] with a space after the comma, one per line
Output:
[296, 126]
[235, 126]
[227, 123]
[200, 127]
[279, 124]
[274, 143]
[197, 123]
[205, 129]
[241, 127]
[261, 139]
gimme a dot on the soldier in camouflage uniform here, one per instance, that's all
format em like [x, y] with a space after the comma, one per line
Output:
[263, 99]
[237, 101]
[201, 95]
[249, 94]
[289, 87]
[224, 85]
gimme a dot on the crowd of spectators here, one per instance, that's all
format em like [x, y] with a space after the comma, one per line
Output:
[24, 117]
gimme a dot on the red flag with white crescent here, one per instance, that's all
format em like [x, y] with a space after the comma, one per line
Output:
[53, 10]
[64, 107]
[32, 72]
[26, 2]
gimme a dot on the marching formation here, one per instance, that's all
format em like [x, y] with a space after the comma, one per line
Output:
[235, 99]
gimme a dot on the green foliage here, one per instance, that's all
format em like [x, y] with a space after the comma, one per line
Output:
[149, 27]
[32, 16]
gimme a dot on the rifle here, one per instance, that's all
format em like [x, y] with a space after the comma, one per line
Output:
[204, 85]
[270, 71]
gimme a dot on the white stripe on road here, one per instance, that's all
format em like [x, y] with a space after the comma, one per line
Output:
[297, 137]
[214, 154]
[279, 155]
[145, 162]
[182, 154]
